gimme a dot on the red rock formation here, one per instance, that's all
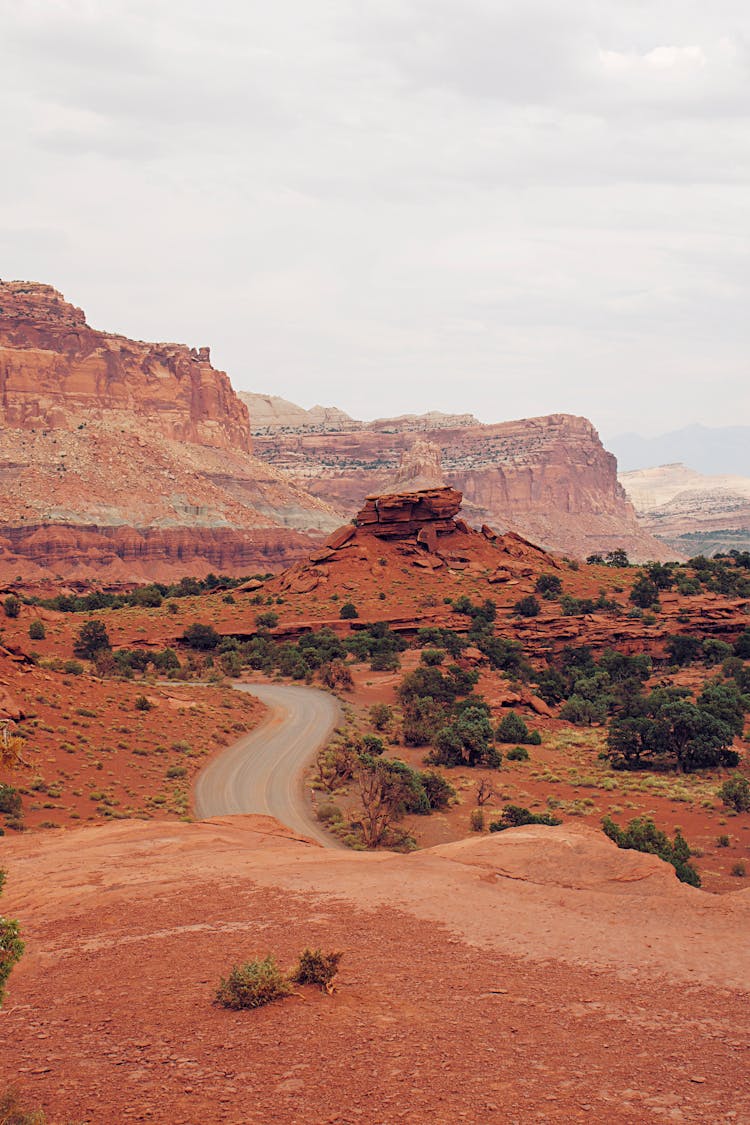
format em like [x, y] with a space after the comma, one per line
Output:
[130, 461]
[549, 478]
[58, 373]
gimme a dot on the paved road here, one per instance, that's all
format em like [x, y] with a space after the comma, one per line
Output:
[262, 772]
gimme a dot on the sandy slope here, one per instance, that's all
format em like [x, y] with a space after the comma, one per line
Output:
[535, 975]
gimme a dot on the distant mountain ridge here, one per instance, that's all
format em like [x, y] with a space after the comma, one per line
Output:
[691, 512]
[713, 451]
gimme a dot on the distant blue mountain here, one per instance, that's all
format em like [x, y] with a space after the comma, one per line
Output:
[725, 449]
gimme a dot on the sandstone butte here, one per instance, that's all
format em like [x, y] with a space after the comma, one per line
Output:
[126, 460]
[550, 479]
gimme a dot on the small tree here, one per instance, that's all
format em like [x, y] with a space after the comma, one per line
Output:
[645, 592]
[348, 611]
[381, 716]
[267, 620]
[202, 637]
[548, 585]
[92, 638]
[512, 728]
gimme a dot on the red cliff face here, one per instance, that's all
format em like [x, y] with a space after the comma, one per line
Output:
[58, 373]
[549, 478]
[125, 461]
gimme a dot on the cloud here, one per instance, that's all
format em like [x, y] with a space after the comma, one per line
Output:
[503, 208]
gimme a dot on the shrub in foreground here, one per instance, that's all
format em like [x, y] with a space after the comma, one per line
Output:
[252, 985]
[316, 967]
[11, 946]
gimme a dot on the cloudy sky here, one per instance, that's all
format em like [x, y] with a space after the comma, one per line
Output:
[509, 208]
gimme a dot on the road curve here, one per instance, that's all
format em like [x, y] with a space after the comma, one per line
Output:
[262, 772]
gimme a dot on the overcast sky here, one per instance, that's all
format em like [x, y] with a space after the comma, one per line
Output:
[508, 208]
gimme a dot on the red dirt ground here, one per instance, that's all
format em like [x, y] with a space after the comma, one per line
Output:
[496, 980]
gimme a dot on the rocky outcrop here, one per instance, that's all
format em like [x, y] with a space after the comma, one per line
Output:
[270, 413]
[401, 515]
[548, 478]
[130, 461]
[58, 373]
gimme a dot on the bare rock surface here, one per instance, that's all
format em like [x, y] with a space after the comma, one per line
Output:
[524, 976]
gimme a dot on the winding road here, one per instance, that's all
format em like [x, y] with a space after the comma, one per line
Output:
[262, 772]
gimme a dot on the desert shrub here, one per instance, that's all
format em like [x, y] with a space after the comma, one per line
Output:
[517, 754]
[683, 649]
[381, 716]
[200, 636]
[722, 841]
[91, 639]
[13, 1112]
[642, 835]
[10, 801]
[514, 816]
[328, 813]
[348, 611]
[73, 667]
[735, 793]
[336, 675]
[466, 741]
[439, 790]
[527, 607]
[267, 620]
[512, 728]
[11, 946]
[37, 632]
[476, 820]
[548, 585]
[316, 967]
[645, 592]
[142, 703]
[432, 656]
[252, 984]
[176, 771]
[739, 869]
[12, 606]
[373, 745]
[742, 645]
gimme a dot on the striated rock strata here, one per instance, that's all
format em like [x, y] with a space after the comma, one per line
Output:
[692, 513]
[548, 478]
[125, 460]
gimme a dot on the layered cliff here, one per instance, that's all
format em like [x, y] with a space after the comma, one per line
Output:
[127, 460]
[693, 513]
[548, 478]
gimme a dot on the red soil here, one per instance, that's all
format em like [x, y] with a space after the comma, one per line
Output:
[496, 981]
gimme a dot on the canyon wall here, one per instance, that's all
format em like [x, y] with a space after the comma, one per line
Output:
[126, 461]
[548, 478]
[58, 373]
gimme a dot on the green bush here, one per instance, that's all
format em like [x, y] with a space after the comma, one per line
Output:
[316, 967]
[10, 802]
[348, 611]
[142, 703]
[252, 985]
[202, 637]
[548, 585]
[267, 620]
[735, 793]
[527, 607]
[514, 816]
[512, 728]
[517, 754]
[642, 835]
[91, 639]
[37, 632]
[11, 946]
[12, 606]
